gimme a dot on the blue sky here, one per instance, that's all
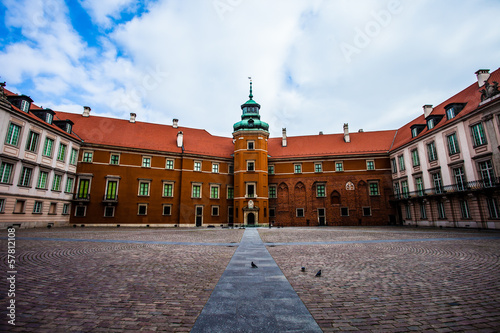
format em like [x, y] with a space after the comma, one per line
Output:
[315, 64]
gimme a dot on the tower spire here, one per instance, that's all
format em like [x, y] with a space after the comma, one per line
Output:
[251, 94]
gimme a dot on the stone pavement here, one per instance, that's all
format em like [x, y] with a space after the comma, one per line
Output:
[250, 299]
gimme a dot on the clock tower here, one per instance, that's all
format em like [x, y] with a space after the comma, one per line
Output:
[251, 191]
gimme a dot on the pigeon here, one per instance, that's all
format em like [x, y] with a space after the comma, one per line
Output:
[319, 273]
[254, 265]
[303, 269]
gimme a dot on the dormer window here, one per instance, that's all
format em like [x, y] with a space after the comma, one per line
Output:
[416, 129]
[414, 132]
[25, 106]
[453, 109]
[430, 124]
[68, 128]
[450, 113]
[48, 118]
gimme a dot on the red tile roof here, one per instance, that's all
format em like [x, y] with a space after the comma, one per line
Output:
[470, 95]
[332, 144]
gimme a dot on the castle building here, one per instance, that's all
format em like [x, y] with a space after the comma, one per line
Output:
[440, 169]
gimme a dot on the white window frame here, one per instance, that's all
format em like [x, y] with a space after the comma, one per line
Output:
[217, 208]
[318, 167]
[172, 183]
[254, 184]
[163, 209]
[167, 161]
[38, 207]
[198, 166]
[113, 211]
[297, 212]
[146, 162]
[368, 162]
[341, 164]
[250, 142]
[215, 186]
[297, 168]
[251, 165]
[86, 154]
[192, 190]
[144, 181]
[215, 167]
[139, 209]
[111, 158]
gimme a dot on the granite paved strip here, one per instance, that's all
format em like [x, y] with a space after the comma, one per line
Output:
[254, 299]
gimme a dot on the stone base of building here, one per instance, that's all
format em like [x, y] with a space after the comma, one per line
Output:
[457, 224]
[33, 224]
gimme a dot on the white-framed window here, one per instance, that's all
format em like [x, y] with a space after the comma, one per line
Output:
[111, 189]
[32, 142]
[415, 158]
[146, 161]
[230, 192]
[214, 191]
[318, 167]
[450, 113]
[215, 210]
[401, 163]
[169, 164]
[61, 153]
[250, 145]
[339, 166]
[37, 207]
[73, 159]
[2, 205]
[441, 210]
[493, 208]
[297, 168]
[486, 173]
[453, 147]
[142, 209]
[66, 209]
[215, 167]
[144, 186]
[404, 188]
[419, 185]
[370, 165]
[43, 178]
[48, 146]
[25, 106]
[272, 191]
[251, 190]
[431, 151]
[478, 135]
[83, 189]
[460, 180]
[196, 191]
[394, 165]
[87, 156]
[13, 134]
[114, 159]
[167, 209]
[438, 183]
[423, 212]
[168, 189]
[464, 209]
[299, 212]
[109, 211]
[251, 165]
[25, 177]
[197, 165]
[56, 183]
[69, 185]
[80, 211]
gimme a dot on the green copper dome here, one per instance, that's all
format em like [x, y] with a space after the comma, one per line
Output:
[250, 118]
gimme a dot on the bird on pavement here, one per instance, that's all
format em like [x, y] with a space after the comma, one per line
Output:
[254, 265]
[319, 273]
[303, 269]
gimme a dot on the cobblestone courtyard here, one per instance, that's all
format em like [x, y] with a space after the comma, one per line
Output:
[374, 279]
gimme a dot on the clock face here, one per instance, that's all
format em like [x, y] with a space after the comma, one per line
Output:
[250, 204]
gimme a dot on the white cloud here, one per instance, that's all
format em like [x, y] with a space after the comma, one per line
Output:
[102, 12]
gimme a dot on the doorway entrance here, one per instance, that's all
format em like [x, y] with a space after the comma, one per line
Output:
[322, 216]
[199, 215]
[251, 219]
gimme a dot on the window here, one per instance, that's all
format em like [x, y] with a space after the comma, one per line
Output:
[486, 173]
[464, 209]
[47, 147]
[49, 117]
[231, 169]
[430, 123]
[196, 191]
[250, 165]
[450, 113]
[42, 180]
[230, 193]
[298, 168]
[37, 207]
[19, 207]
[272, 191]
[65, 210]
[459, 175]
[32, 143]
[401, 163]
[168, 190]
[320, 190]
[25, 106]
[453, 147]
[414, 158]
[272, 212]
[111, 189]
[167, 210]
[61, 154]
[493, 208]
[404, 188]
[169, 165]
[2, 205]
[87, 156]
[25, 178]
[109, 211]
[414, 132]
[423, 213]
[83, 189]
[80, 211]
[408, 212]
[478, 135]
[114, 159]
[344, 211]
[53, 208]
[56, 184]
[13, 134]
[441, 211]
[250, 190]
[270, 169]
[394, 165]
[397, 191]
[142, 209]
[370, 165]
[374, 188]
[146, 162]
[339, 166]
[318, 167]
[215, 167]
[197, 165]
[419, 186]
[214, 191]
[250, 145]
[367, 211]
[438, 185]
[215, 210]
[431, 151]
[69, 185]
[300, 212]
[144, 188]
[73, 159]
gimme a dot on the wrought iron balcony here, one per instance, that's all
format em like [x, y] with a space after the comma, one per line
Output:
[82, 197]
[108, 198]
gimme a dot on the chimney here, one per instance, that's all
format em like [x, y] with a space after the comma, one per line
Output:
[175, 123]
[427, 109]
[132, 117]
[482, 76]
[86, 111]
[360, 130]
[180, 139]
[346, 133]
[320, 132]
[283, 141]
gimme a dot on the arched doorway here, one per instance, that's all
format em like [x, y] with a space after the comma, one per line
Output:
[251, 219]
